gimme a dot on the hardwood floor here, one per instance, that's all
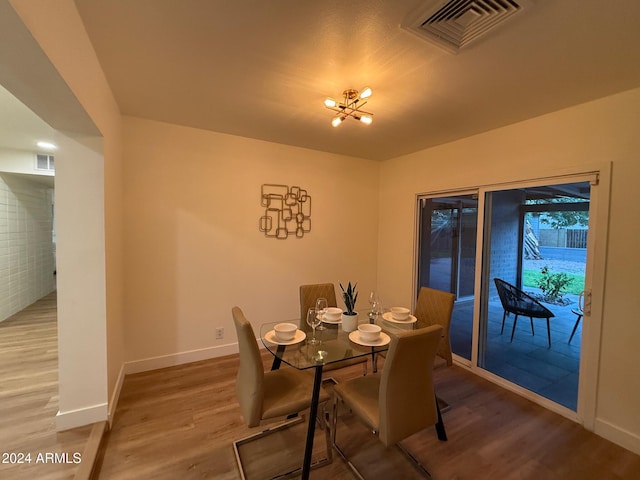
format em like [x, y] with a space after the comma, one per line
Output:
[180, 422]
[29, 398]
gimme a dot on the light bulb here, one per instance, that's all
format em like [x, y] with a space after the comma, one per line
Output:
[336, 121]
[366, 93]
[330, 103]
[366, 119]
[46, 145]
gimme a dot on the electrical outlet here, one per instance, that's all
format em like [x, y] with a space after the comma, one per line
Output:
[219, 333]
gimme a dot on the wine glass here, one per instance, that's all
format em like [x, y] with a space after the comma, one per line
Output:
[376, 309]
[313, 320]
[321, 308]
[373, 297]
[374, 301]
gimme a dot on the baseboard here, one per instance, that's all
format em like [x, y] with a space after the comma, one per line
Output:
[80, 417]
[171, 360]
[92, 452]
[115, 396]
[619, 436]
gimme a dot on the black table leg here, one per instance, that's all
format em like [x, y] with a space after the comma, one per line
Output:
[311, 429]
[374, 361]
[442, 434]
[277, 358]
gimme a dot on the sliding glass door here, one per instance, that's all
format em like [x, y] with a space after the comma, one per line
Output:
[533, 237]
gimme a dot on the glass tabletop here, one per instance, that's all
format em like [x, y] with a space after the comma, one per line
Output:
[335, 344]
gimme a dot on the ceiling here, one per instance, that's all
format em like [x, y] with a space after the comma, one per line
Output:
[20, 128]
[262, 69]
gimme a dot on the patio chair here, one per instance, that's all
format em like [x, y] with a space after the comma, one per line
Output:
[517, 302]
[579, 311]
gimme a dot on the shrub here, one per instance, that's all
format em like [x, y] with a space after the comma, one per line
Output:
[553, 284]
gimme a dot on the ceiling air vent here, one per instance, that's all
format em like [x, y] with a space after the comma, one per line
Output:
[45, 162]
[454, 24]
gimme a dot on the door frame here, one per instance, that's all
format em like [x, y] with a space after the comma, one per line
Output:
[599, 175]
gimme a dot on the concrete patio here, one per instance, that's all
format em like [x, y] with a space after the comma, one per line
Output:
[527, 361]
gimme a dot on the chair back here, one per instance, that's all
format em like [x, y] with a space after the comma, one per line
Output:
[581, 302]
[509, 294]
[250, 379]
[434, 307]
[406, 398]
[308, 296]
[517, 302]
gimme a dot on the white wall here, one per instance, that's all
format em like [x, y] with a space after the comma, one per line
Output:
[81, 286]
[60, 79]
[26, 245]
[21, 161]
[193, 248]
[597, 132]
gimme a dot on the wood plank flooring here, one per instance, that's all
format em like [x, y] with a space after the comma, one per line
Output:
[29, 396]
[180, 422]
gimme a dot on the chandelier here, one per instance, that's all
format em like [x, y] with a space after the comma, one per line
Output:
[352, 101]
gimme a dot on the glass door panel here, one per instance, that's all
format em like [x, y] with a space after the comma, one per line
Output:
[467, 263]
[446, 262]
[535, 240]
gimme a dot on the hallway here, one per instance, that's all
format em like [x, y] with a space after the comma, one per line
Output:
[29, 396]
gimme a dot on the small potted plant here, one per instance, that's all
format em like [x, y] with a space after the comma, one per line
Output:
[349, 316]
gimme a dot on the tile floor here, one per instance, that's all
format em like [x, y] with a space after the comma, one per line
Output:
[527, 361]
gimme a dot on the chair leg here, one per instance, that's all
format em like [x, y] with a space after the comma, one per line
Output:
[328, 435]
[336, 400]
[414, 460]
[513, 330]
[548, 332]
[504, 316]
[575, 326]
[353, 468]
[334, 418]
[532, 331]
[323, 417]
[263, 433]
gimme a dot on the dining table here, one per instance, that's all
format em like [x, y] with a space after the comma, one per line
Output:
[333, 345]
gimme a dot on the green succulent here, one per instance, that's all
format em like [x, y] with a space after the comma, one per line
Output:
[349, 296]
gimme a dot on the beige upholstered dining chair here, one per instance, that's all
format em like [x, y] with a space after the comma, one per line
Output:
[400, 401]
[434, 307]
[308, 296]
[267, 395]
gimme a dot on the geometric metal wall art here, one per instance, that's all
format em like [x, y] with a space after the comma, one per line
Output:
[287, 211]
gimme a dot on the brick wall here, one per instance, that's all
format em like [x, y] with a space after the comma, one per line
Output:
[505, 233]
[27, 258]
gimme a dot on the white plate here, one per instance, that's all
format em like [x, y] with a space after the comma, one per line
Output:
[331, 322]
[383, 340]
[388, 316]
[270, 337]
